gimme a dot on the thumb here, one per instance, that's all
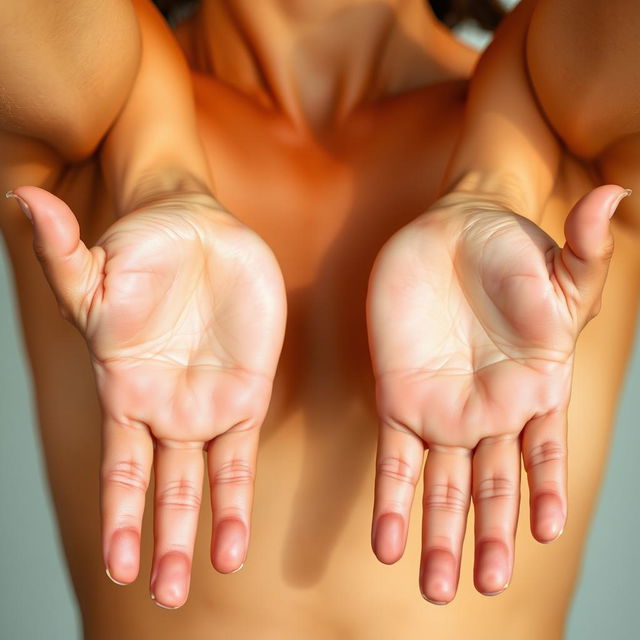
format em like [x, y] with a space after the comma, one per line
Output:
[589, 242]
[70, 268]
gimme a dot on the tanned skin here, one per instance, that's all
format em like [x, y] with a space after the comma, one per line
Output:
[291, 248]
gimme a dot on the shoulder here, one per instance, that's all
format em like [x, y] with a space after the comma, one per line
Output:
[68, 68]
[65, 70]
[64, 83]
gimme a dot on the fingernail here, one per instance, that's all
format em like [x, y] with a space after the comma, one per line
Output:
[554, 539]
[23, 205]
[433, 601]
[171, 581]
[492, 567]
[162, 606]
[549, 518]
[229, 545]
[496, 593]
[493, 593]
[123, 557]
[616, 202]
[238, 569]
[438, 576]
[122, 584]
[387, 541]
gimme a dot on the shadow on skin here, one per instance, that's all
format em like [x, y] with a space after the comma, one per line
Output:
[325, 347]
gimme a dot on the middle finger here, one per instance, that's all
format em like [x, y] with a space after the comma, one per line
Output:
[496, 500]
[447, 485]
[179, 470]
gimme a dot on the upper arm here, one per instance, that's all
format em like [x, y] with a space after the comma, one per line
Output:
[560, 74]
[66, 68]
[114, 77]
[584, 64]
[583, 61]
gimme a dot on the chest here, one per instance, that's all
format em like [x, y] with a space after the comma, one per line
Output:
[327, 201]
[326, 205]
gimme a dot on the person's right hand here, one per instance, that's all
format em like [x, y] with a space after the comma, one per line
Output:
[183, 309]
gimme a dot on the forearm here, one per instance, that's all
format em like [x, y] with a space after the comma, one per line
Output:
[153, 149]
[506, 151]
[551, 84]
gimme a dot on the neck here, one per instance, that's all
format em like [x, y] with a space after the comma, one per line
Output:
[317, 61]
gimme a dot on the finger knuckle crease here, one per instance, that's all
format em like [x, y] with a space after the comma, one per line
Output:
[495, 487]
[547, 451]
[445, 497]
[127, 474]
[181, 495]
[234, 472]
[396, 468]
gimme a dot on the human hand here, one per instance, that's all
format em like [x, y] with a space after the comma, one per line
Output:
[183, 310]
[473, 315]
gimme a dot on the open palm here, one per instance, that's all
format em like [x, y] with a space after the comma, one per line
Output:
[183, 309]
[473, 317]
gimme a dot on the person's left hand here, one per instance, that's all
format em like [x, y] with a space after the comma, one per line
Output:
[473, 315]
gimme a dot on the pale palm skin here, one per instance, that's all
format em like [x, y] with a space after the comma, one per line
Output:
[473, 316]
[183, 309]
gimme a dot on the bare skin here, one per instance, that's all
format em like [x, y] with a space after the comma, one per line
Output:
[332, 178]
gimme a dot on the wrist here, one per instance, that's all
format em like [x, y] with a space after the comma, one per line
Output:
[166, 186]
[495, 190]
